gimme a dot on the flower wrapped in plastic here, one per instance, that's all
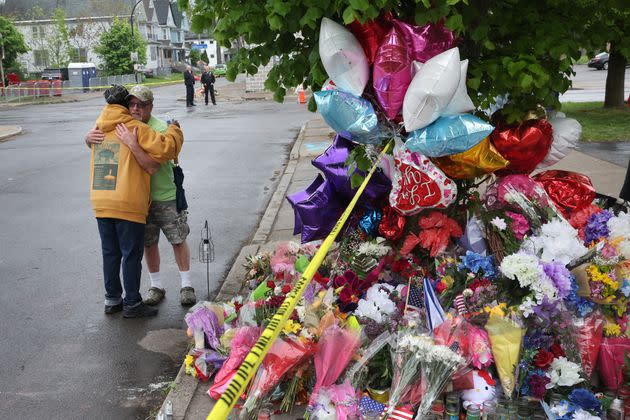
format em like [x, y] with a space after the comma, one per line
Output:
[284, 354]
[406, 365]
[335, 348]
[506, 338]
[611, 360]
[438, 364]
[589, 332]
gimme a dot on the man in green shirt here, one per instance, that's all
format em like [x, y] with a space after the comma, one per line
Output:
[163, 213]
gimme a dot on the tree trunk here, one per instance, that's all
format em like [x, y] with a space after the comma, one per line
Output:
[615, 79]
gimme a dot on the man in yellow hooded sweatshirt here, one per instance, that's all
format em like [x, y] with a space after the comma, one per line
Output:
[120, 195]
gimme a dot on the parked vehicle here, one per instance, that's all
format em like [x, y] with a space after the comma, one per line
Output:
[148, 72]
[599, 62]
[219, 70]
[55, 74]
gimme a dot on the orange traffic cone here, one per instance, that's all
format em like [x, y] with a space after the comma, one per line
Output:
[301, 96]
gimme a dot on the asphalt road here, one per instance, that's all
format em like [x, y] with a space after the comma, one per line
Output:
[589, 85]
[60, 356]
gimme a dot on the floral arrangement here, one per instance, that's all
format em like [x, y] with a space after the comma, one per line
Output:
[456, 262]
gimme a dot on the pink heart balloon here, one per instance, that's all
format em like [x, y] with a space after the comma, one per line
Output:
[426, 41]
[393, 70]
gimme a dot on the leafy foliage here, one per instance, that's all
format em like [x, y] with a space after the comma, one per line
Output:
[58, 41]
[13, 43]
[515, 47]
[114, 48]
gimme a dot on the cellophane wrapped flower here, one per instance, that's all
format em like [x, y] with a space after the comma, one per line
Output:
[283, 355]
[406, 361]
[438, 365]
[520, 225]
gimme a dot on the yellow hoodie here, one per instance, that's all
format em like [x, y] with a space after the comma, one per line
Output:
[119, 187]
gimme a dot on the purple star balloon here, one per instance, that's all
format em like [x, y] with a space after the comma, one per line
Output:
[393, 70]
[333, 164]
[317, 213]
[295, 198]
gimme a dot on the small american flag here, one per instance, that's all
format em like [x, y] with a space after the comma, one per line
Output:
[415, 298]
[368, 405]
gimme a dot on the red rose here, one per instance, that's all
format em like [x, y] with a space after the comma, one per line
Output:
[543, 359]
[286, 289]
[440, 287]
[271, 284]
[557, 351]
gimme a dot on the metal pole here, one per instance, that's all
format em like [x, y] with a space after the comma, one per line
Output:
[132, 38]
[4, 88]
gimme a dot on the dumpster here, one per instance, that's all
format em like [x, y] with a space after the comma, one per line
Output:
[79, 75]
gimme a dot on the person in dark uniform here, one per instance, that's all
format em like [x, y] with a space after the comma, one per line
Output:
[207, 80]
[189, 81]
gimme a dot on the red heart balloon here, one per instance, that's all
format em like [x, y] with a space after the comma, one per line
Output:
[419, 184]
[524, 145]
[570, 191]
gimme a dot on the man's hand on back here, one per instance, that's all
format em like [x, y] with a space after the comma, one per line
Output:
[129, 138]
[94, 136]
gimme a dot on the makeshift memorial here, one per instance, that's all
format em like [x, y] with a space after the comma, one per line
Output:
[456, 269]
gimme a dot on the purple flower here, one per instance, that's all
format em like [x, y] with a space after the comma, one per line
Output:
[597, 227]
[547, 310]
[561, 277]
[537, 385]
[537, 339]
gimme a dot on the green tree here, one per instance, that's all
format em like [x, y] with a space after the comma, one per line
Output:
[114, 48]
[194, 56]
[13, 43]
[610, 24]
[519, 47]
[58, 41]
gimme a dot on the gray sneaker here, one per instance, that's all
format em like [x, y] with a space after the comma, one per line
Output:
[187, 296]
[154, 296]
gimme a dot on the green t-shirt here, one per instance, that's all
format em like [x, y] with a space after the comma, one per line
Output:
[162, 184]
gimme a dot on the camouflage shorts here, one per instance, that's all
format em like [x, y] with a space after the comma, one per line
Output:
[163, 215]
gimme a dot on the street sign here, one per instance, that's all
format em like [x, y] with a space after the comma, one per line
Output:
[199, 46]
[134, 56]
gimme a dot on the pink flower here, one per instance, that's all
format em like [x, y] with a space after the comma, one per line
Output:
[480, 348]
[520, 226]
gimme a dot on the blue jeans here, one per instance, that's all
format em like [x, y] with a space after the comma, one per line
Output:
[121, 241]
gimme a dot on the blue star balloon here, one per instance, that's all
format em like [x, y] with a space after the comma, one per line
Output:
[349, 115]
[449, 135]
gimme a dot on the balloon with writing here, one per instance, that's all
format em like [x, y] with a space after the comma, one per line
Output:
[419, 184]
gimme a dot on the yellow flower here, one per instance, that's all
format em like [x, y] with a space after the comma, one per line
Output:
[496, 310]
[612, 330]
[291, 327]
[448, 281]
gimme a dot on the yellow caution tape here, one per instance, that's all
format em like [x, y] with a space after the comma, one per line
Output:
[52, 87]
[249, 366]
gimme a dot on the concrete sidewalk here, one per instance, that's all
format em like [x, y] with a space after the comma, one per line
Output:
[190, 399]
[7, 131]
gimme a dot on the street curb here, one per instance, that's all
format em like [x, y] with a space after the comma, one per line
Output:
[17, 130]
[185, 386]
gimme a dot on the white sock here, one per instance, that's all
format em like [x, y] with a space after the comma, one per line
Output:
[155, 280]
[186, 281]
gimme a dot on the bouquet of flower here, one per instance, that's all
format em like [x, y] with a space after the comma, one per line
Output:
[438, 365]
[506, 338]
[406, 365]
[589, 339]
[611, 360]
[334, 350]
[283, 355]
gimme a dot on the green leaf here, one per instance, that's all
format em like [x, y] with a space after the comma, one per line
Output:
[348, 15]
[356, 180]
[526, 81]
[473, 83]
[455, 23]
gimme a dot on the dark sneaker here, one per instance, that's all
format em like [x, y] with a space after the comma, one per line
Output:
[187, 296]
[139, 311]
[154, 296]
[112, 309]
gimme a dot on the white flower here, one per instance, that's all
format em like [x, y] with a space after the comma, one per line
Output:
[293, 247]
[560, 409]
[499, 223]
[557, 241]
[619, 226]
[582, 414]
[368, 309]
[527, 307]
[301, 312]
[277, 290]
[521, 266]
[624, 248]
[563, 373]
[467, 292]
[372, 249]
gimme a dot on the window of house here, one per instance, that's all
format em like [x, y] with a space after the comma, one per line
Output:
[41, 58]
[164, 33]
[38, 32]
[81, 55]
[149, 32]
[211, 55]
[153, 53]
